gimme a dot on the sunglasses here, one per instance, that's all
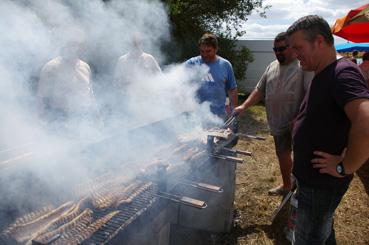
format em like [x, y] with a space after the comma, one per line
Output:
[280, 49]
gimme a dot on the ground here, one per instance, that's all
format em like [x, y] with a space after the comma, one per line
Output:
[260, 172]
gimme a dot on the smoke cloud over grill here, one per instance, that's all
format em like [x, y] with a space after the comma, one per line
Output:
[37, 153]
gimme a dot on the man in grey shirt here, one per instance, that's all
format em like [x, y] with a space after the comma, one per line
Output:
[283, 87]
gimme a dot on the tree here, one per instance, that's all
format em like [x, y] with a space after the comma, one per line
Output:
[191, 18]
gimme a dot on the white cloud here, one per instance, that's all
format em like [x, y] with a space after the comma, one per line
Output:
[283, 13]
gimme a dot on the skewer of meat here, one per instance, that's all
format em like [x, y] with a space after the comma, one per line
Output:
[32, 216]
[103, 195]
[180, 148]
[114, 196]
[82, 233]
[195, 157]
[104, 198]
[7, 233]
[97, 225]
[63, 219]
[126, 192]
[191, 152]
[134, 194]
[82, 220]
[94, 184]
[100, 184]
[23, 232]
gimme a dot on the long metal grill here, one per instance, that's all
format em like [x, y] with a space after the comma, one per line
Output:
[108, 208]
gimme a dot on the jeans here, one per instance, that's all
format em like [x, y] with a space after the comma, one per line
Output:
[314, 221]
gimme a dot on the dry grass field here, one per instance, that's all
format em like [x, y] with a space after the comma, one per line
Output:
[260, 172]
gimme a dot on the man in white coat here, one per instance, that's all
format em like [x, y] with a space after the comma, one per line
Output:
[64, 88]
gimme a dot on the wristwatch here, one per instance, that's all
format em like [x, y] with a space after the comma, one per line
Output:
[340, 169]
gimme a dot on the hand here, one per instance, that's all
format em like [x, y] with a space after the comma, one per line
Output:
[238, 110]
[228, 109]
[327, 163]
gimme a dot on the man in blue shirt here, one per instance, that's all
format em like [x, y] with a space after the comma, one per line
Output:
[220, 79]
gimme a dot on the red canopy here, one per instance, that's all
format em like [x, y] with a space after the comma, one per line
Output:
[354, 26]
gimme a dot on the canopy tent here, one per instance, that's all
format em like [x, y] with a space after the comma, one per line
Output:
[354, 26]
[349, 47]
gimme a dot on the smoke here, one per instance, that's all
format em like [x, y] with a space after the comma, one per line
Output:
[65, 154]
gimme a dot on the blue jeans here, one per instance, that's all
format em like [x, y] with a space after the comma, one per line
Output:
[314, 216]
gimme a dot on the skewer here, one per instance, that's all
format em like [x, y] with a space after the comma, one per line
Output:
[17, 147]
[182, 199]
[202, 186]
[229, 121]
[14, 159]
[229, 158]
[246, 153]
[251, 136]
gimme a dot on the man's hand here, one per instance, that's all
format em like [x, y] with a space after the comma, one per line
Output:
[229, 111]
[253, 98]
[327, 163]
[238, 110]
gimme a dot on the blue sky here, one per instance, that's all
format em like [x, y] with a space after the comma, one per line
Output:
[282, 13]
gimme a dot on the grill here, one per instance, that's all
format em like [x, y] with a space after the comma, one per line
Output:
[192, 187]
[127, 215]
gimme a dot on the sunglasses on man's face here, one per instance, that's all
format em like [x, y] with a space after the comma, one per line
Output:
[280, 49]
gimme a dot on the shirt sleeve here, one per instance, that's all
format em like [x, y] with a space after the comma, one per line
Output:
[261, 86]
[349, 85]
[189, 62]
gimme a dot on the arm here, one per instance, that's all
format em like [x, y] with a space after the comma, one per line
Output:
[89, 88]
[155, 68]
[358, 143]
[233, 97]
[43, 90]
[117, 74]
[253, 98]
[231, 85]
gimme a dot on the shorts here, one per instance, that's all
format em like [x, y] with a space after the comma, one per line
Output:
[283, 142]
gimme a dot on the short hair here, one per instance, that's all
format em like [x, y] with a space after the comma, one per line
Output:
[209, 39]
[312, 25]
[281, 37]
[366, 56]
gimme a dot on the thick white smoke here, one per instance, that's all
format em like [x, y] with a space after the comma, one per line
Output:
[34, 32]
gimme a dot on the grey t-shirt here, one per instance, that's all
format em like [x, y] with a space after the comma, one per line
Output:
[283, 87]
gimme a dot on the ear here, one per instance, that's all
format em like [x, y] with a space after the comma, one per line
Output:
[319, 40]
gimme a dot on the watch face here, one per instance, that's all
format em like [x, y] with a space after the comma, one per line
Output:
[339, 169]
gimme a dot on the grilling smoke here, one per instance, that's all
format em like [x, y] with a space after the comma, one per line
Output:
[34, 32]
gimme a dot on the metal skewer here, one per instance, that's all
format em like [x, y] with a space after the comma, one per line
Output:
[251, 136]
[229, 121]
[182, 199]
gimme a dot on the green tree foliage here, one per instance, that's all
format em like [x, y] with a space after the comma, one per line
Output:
[191, 18]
